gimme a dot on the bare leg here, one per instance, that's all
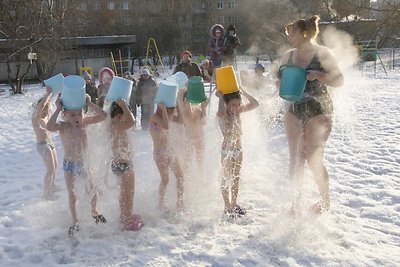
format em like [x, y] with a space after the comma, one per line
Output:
[316, 132]
[236, 166]
[162, 165]
[53, 180]
[176, 168]
[51, 166]
[200, 151]
[294, 133]
[126, 196]
[226, 165]
[69, 180]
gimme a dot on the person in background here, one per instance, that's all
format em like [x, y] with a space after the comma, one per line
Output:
[145, 95]
[309, 122]
[44, 143]
[215, 44]
[91, 88]
[132, 101]
[105, 76]
[230, 44]
[205, 70]
[187, 66]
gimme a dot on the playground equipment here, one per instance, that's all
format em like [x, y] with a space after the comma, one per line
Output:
[369, 52]
[120, 66]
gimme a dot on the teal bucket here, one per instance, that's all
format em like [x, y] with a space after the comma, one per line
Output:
[293, 82]
[195, 92]
[73, 95]
[166, 93]
[55, 83]
[120, 88]
[181, 78]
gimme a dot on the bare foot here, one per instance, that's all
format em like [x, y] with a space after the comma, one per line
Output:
[318, 208]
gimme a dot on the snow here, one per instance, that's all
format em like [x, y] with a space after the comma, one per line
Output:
[362, 228]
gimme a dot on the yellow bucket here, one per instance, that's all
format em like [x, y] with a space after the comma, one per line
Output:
[226, 80]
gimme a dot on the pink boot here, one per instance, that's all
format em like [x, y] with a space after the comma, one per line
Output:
[135, 224]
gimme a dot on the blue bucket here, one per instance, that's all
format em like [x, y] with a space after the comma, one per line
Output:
[293, 82]
[166, 93]
[73, 95]
[120, 88]
[181, 78]
[55, 83]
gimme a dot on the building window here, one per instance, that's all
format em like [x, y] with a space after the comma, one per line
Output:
[125, 5]
[111, 5]
[96, 5]
[220, 5]
[232, 19]
[220, 20]
[232, 4]
[83, 6]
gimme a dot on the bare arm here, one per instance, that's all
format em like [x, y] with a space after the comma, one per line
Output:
[52, 124]
[332, 75]
[164, 116]
[221, 104]
[43, 102]
[253, 103]
[98, 117]
[204, 110]
[128, 120]
[184, 107]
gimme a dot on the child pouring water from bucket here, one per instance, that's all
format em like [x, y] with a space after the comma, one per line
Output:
[308, 120]
[230, 107]
[74, 140]
[193, 105]
[121, 121]
[44, 143]
[163, 155]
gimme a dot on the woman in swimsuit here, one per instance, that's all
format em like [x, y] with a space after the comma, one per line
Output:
[164, 156]
[309, 121]
[229, 109]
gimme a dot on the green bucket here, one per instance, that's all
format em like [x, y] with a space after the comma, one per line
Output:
[195, 92]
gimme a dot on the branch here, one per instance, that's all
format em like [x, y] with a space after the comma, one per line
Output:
[25, 47]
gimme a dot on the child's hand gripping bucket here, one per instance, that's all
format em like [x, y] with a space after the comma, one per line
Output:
[181, 78]
[120, 88]
[73, 95]
[293, 82]
[226, 80]
[195, 92]
[55, 83]
[166, 93]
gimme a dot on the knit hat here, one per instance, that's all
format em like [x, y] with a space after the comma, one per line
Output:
[186, 52]
[205, 61]
[86, 76]
[144, 71]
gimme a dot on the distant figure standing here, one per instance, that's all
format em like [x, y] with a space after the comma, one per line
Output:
[105, 76]
[91, 88]
[187, 66]
[215, 44]
[44, 144]
[145, 95]
[231, 42]
[205, 67]
[132, 102]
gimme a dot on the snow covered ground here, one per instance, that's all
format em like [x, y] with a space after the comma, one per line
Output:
[362, 228]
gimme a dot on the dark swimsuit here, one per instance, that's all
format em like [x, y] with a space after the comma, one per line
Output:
[316, 99]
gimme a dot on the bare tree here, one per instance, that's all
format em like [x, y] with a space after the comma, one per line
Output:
[34, 26]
